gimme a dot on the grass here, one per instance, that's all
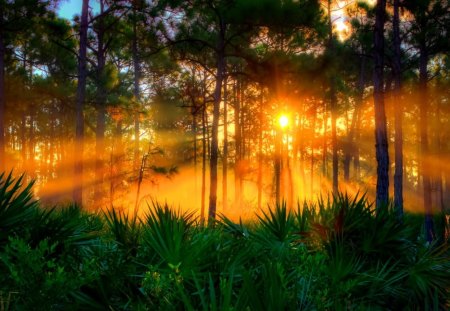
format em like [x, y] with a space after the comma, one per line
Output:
[336, 255]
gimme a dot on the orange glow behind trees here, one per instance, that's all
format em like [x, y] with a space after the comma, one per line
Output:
[298, 103]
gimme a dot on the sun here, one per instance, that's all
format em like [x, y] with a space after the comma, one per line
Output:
[283, 121]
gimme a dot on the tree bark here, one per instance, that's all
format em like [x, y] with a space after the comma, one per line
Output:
[425, 167]
[225, 147]
[313, 142]
[238, 144]
[398, 112]
[100, 150]
[101, 112]
[136, 92]
[260, 154]
[381, 142]
[325, 144]
[23, 139]
[81, 93]
[215, 123]
[333, 104]
[349, 145]
[2, 96]
[333, 107]
[204, 147]
[277, 165]
[360, 98]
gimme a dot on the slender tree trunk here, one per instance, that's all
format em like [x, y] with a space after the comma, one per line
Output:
[23, 139]
[398, 111]
[32, 142]
[136, 92]
[333, 106]
[313, 142]
[52, 141]
[325, 144]
[301, 152]
[333, 102]
[381, 142]
[351, 147]
[2, 96]
[215, 123]
[437, 164]
[99, 151]
[350, 144]
[243, 140]
[81, 91]
[225, 147]
[99, 192]
[359, 102]
[277, 164]
[204, 147]
[440, 153]
[194, 135]
[238, 144]
[425, 167]
[117, 155]
[260, 154]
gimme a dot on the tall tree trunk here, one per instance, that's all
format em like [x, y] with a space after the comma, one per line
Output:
[194, 135]
[52, 140]
[398, 112]
[117, 156]
[301, 153]
[260, 154]
[349, 144]
[351, 149]
[81, 93]
[215, 123]
[381, 142]
[277, 164]
[325, 142]
[238, 144]
[243, 140]
[225, 147]
[2, 96]
[32, 142]
[437, 164]
[333, 105]
[204, 147]
[425, 167]
[313, 142]
[359, 102]
[136, 92]
[99, 151]
[440, 152]
[99, 192]
[23, 139]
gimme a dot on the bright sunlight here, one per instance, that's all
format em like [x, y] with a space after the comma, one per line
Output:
[283, 121]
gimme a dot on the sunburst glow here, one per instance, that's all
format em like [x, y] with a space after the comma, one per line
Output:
[283, 121]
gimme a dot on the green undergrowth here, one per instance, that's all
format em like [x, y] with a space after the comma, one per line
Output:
[339, 254]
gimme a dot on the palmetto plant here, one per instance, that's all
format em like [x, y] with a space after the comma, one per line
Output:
[166, 232]
[180, 247]
[338, 254]
[376, 261]
[125, 230]
[275, 231]
[17, 206]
